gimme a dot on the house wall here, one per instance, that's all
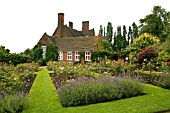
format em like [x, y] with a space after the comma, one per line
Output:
[65, 57]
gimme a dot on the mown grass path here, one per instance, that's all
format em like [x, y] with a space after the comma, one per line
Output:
[43, 96]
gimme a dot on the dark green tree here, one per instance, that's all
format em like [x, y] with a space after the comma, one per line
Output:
[124, 41]
[156, 23]
[101, 31]
[129, 35]
[104, 32]
[135, 32]
[114, 45]
[51, 52]
[109, 33]
[37, 52]
[119, 38]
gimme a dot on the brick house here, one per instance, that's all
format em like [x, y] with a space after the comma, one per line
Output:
[71, 42]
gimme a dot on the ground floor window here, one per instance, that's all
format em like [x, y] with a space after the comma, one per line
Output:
[69, 55]
[60, 57]
[87, 56]
[44, 51]
[77, 55]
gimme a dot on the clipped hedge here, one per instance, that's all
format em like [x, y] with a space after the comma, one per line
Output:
[85, 91]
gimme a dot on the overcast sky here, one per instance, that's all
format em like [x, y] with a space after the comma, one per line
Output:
[23, 22]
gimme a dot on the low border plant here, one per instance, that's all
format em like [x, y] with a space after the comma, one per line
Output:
[84, 91]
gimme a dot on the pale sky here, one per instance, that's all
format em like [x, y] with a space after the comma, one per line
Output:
[23, 22]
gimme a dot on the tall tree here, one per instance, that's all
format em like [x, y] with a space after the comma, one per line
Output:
[114, 45]
[104, 32]
[156, 23]
[124, 41]
[119, 38]
[135, 33]
[101, 31]
[129, 35]
[109, 33]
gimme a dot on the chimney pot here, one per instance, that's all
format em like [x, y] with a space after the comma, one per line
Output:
[71, 25]
[85, 27]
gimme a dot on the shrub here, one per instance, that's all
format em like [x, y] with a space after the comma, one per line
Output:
[146, 53]
[84, 91]
[166, 82]
[13, 103]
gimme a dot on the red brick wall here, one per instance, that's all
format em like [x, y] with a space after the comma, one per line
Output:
[65, 57]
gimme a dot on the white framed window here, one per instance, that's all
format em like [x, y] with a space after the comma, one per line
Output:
[77, 55]
[69, 55]
[60, 57]
[44, 51]
[87, 56]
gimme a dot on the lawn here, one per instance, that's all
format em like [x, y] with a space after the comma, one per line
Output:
[43, 99]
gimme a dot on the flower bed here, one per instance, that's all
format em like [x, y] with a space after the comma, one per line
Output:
[83, 91]
[15, 84]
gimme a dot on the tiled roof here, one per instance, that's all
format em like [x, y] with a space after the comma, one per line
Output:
[76, 43]
[46, 39]
[69, 32]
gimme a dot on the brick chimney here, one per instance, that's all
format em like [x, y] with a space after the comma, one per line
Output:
[60, 24]
[85, 27]
[71, 25]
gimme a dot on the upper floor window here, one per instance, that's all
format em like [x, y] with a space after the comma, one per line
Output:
[69, 55]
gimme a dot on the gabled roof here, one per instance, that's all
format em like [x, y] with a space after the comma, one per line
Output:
[76, 43]
[69, 32]
[46, 39]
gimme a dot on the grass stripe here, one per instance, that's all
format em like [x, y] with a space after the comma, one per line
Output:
[43, 97]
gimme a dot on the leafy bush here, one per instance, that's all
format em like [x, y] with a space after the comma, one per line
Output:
[163, 56]
[84, 91]
[18, 78]
[143, 41]
[13, 103]
[146, 53]
[103, 54]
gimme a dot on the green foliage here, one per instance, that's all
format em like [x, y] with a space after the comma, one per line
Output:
[83, 92]
[129, 35]
[107, 45]
[51, 52]
[163, 56]
[17, 59]
[13, 103]
[156, 23]
[143, 41]
[101, 31]
[98, 55]
[37, 52]
[16, 79]
[109, 33]
[135, 32]
[124, 41]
